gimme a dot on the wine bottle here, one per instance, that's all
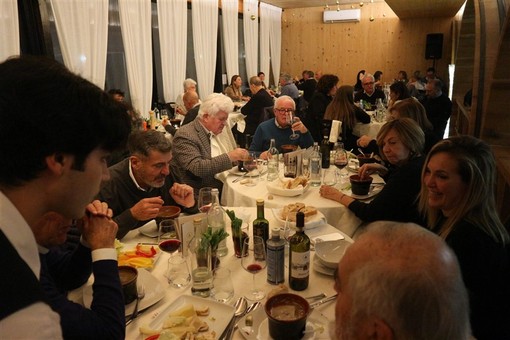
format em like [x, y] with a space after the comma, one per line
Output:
[325, 154]
[275, 258]
[272, 161]
[299, 256]
[261, 225]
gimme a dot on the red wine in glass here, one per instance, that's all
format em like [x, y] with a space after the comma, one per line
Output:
[340, 164]
[254, 268]
[170, 246]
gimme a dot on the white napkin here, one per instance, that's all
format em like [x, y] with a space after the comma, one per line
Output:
[336, 127]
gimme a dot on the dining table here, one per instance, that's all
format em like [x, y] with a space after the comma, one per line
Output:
[319, 282]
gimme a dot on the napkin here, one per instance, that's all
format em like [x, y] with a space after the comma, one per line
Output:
[336, 126]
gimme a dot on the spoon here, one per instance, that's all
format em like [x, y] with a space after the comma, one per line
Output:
[249, 318]
[361, 152]
[240, 306]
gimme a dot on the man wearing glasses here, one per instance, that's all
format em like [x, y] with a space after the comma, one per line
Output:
[369, 93]
[280, 128]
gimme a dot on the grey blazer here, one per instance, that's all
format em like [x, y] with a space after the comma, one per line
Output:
[192, 161]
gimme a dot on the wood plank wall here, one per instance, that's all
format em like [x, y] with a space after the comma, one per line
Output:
[386, 43]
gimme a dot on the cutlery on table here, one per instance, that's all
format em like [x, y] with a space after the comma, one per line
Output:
[240, 306]
[250, 309]
[240, 177]
[316, 297]
[139, 296]
[323, 301]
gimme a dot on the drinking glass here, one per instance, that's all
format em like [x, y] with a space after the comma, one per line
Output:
[341, 159]
[168, 232]
[291, 119]
[178, 274]
[305, 167]
[329, 176]
[250, 164]
[223, 288]
[254, 263]
[204, 199]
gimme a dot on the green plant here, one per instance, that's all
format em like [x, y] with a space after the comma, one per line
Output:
[214, 237]
[236, 222]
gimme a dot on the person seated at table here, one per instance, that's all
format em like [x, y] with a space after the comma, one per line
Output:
[307, 84]
[400, 143]
[400, 281]
[280, 129]
[287, 87]
[358, 86]
[342, 108]
[438, 106]
[142, 183]
[192, 104]
[457, 196]
[398, 91]
[233, 91]
[198, 151]
[326, 89]
[63, 271]
[369, 94]
[188, 85]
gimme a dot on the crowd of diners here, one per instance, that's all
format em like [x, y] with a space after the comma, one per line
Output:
[430, 260]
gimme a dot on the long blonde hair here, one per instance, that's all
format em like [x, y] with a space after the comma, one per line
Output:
[342, 107]
[477, 168]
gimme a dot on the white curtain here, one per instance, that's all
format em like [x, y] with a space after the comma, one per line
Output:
[135, 24]
[251, 27]
[265, 26]
[229, 10]
[205, 37]
[173, 35]
[9, 29]
[82, 29]
[275, 38]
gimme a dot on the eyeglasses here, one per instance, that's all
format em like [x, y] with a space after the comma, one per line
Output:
[284, 110]
[371, 83]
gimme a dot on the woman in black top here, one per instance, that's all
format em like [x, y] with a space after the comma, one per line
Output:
[359, 85]
[326, 88]
[457, 196]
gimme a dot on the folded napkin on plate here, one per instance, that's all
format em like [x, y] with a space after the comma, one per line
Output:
[336, 127]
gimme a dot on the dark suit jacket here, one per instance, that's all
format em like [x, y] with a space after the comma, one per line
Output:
[192, 161]
[191, 115]
[254, 110]
[308, 87]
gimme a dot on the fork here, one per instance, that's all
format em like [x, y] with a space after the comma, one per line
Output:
[139, 296]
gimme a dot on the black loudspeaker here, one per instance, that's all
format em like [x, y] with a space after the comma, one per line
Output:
[434, 48]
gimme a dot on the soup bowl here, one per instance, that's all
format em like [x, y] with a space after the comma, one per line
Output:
[287, 314]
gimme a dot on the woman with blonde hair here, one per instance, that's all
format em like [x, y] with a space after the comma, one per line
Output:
[457, 197]
[342, 108]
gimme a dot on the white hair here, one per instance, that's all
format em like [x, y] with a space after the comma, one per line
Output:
[284, 98]
[188, 83]
[215, 103]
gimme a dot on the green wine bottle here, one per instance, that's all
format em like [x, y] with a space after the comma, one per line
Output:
[299, 256]
[261, 225]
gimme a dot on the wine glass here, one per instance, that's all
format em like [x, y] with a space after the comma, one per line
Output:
[291, 119]
[250, 164]
[254, 263]
[205, 199]
[341, 159]
[167, 236]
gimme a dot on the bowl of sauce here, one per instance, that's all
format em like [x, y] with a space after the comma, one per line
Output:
[128, 276]
[287, 314]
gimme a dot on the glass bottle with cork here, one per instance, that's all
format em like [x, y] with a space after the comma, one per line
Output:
[272, 161]
[299, 256]
[261, 224]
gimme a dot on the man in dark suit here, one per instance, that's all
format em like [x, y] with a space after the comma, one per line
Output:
[192, 104]
[200, 152]
[438, 106]
[65, 270]
[308, 85]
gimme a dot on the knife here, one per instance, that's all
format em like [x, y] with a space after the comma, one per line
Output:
[320, 302]
[240, 178]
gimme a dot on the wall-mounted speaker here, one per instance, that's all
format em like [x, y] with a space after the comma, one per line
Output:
[434, 47]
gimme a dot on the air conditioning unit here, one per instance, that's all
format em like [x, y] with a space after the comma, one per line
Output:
[345, 15]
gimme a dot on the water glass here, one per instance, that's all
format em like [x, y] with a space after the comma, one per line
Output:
[223, 288]
[178, 274]
[329, 176]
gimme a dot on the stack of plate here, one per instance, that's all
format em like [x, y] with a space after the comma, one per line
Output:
[328, 254]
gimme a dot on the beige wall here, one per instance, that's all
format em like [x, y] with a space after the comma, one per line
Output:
[386, 43]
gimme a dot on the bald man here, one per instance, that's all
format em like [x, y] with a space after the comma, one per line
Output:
[400, 281]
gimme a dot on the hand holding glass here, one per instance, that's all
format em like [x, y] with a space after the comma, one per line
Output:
[291, 119]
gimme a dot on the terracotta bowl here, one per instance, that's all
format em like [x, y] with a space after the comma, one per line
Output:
[360, 186]
[128, 276]
[287, 314]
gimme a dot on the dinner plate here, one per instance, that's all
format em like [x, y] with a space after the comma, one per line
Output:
[316, 326]
[149, 229]
[374, 190]
[235, 171]
[153, 292]
[321, 268]
[311, 222]
[131, 247]
[218, 319]
[353, 165]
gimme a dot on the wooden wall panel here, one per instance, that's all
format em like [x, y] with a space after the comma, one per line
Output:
[386, 43]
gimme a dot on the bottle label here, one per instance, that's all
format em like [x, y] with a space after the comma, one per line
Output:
[300, 265]
[275, 263]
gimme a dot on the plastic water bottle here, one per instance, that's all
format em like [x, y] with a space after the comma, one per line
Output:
[272, 161]
[315, 166]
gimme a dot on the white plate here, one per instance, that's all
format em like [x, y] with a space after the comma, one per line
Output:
[155, 258]
[311, 222]
[149, 229]
[218, 319]
[276, 188]
[353, 165]
[374, 190]
[153, 292]
[235, 171]
[316, 326]
[320, 268]
[331, 252]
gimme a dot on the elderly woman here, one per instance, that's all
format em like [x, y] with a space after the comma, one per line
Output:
[342, 108]
[457, 196]
[401, 143]
[233, 91]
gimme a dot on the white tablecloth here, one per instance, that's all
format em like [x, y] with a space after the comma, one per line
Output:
[240, 195]
[241, 279]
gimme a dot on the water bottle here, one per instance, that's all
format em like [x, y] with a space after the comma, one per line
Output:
[216, 220]
[315, 166]
[272, 161]
[380, 113]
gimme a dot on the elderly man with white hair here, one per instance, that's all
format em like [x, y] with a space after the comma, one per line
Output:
[189, 85]
[400, 281]
[202, 150]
